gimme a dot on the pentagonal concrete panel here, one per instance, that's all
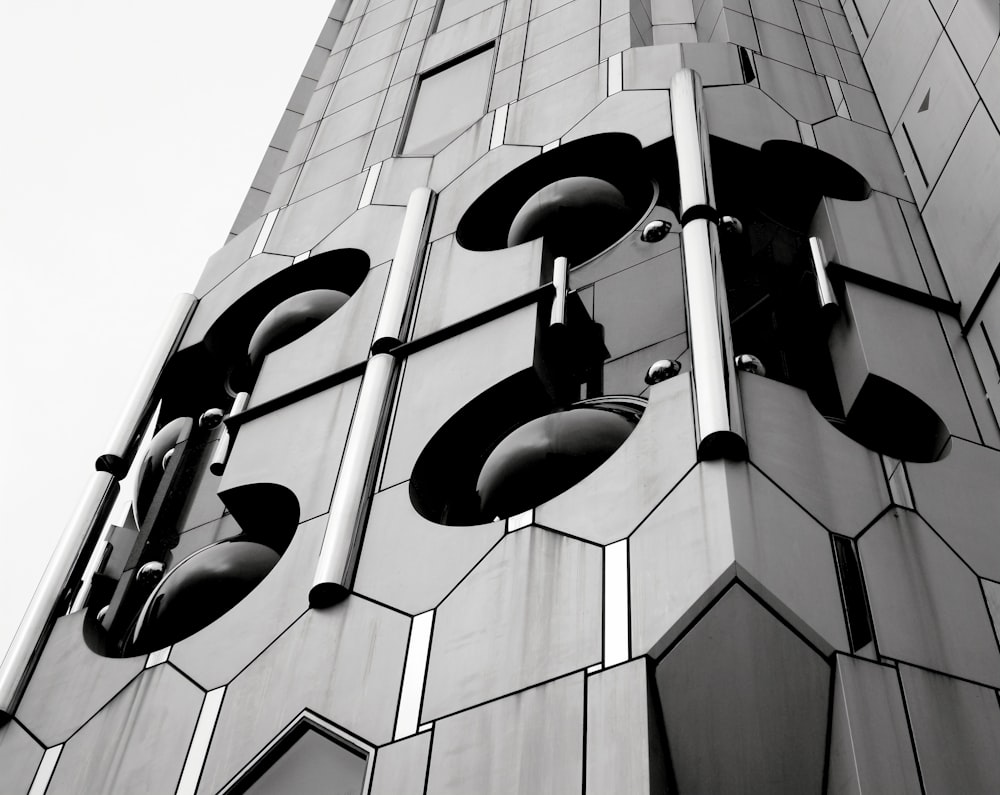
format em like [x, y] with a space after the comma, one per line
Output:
[723, 522]
[411, 563]
[625, 750]
[681, 557]
[135, 744]
[313, 431]
[927, 605]
[71, 682]
[956, 728]
[786, 558]
[745, 703]
[959, 498]
[527, 742]
[870, 749]
[644, 114]
[815, 463]
[805, 96]
[746, 115]
[213, 656]
[529, 612]
[401, 767]
[610, 503]
[344, 663]
[335, 344]
[19, 758]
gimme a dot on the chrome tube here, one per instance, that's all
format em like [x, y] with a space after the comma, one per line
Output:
[404, 272]
[352, 493]
[53, 593]
[218, 463]
[560, 280]
[828, 304]
[124, 442]
[694, 164]
[717, 406]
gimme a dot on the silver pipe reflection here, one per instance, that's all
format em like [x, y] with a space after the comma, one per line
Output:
[124, 442]
[717, 406]
[404, 272]
[55, 590]
[828, 304]
[560, 280]
[352, 494]
[690, 128]
[218, 463]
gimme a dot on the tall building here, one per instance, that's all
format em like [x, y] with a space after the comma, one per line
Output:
[591, 397]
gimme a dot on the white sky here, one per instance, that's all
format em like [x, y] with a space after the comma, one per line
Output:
[129, 134]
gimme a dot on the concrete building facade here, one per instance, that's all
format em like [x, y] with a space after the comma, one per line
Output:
[591, 397]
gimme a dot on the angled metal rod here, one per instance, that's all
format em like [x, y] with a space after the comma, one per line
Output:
[717, 404]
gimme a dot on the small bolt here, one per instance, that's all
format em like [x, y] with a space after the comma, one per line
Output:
[749, 363]
[731, 224]
[662, 370]
[655, 231]
[150, 573]
[211, 418]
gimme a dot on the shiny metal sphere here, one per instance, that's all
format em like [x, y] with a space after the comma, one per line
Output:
[662, 370]
[731, 224]
[749, 363]
[211, 418]
[151, 572]
[655, 231]
[166, 458]
[101, 613]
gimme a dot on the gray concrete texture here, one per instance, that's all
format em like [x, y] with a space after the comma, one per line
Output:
[475, 655]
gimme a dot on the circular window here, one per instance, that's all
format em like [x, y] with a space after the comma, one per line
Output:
[465, 478]
[198, 590]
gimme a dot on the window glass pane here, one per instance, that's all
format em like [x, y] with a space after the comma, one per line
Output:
[313, 765]
[456, 10]
[448, 102]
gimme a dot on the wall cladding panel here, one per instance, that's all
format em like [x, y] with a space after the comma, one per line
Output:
[482, 646]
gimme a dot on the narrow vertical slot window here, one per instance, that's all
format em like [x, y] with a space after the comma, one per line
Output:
[852, 589]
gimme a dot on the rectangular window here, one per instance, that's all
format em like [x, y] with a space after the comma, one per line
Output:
[448, 101]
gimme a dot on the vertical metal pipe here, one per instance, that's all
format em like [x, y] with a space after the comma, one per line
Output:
[404, 273]
[351, 497]
[218, 464]
[54, 592]
[560, 280]
[352, 494]
[717, 406]
[124, 442]
[828, 304]
[694, 163]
